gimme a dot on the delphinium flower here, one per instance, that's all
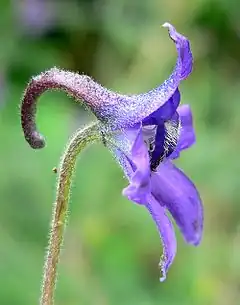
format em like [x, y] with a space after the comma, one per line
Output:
[145, 133]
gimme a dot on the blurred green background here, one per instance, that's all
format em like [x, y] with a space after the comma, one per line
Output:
[112, 248]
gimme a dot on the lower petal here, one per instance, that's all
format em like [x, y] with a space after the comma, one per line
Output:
[130, 151]
[177, 193]
[167, 234]
[139, 186]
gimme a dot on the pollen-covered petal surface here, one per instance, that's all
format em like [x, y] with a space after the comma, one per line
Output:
[167, 234]
[172, 188]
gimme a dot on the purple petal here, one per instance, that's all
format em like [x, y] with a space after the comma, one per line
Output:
[132, 154]
[172, 188]
[167, 234]
[165, 112]
[187, 134]
[165, 140]
[139, 186]
[183, 48]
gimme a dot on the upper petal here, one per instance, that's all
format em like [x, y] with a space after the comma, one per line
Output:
[183, 48]
[187, 133]
[165, 112]
[172, 188]
[122, 111]
[166, 232]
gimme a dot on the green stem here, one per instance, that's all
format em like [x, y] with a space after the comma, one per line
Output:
[80, 140]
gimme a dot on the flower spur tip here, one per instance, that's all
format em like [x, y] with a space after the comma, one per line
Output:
[169, 26]
[174, 35]
[37, 141]
[166, 25]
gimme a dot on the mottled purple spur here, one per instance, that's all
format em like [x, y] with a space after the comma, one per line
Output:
[145, 133]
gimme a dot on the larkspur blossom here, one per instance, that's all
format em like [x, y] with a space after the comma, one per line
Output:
[145, 133]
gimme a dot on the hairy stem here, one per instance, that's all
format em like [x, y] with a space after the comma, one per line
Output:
[78, 142]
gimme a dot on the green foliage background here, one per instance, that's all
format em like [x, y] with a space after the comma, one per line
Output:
[112, 248]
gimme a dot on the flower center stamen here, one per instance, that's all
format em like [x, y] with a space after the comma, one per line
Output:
[149, 136]
[161, 140]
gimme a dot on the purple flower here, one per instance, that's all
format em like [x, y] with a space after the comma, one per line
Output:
[145, 151]
[145, 133]
[146, 155]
